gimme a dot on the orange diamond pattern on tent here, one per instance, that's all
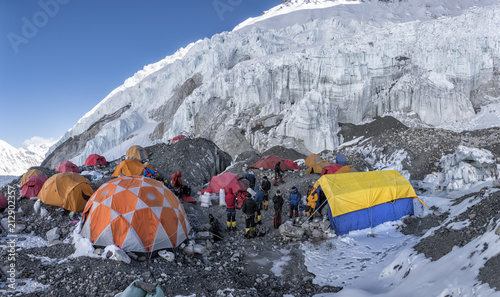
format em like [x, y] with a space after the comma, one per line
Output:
[169, 224]
[129, 183]
[124, 201]
[100, 211]
[146, 221]
[137, 214]
[100, 196]
[151, 196]
[119, 227]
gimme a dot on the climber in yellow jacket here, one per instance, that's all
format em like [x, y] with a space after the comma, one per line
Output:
[312, 199]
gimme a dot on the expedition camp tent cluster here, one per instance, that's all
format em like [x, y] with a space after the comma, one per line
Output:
[28, 174]
[31, 183]
[359, 200]
[32, 187]
[137, 214]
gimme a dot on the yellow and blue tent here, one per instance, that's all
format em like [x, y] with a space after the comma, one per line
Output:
[365, 199]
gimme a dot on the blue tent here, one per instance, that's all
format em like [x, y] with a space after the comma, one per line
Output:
[340, 159]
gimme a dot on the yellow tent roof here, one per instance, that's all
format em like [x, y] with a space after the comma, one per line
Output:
[359, 190]
[68, 190]
[28, 174]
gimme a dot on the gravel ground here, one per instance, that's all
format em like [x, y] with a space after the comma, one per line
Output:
[227, 267]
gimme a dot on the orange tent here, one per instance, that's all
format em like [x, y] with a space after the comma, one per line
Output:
[68, 190]
[268, 162]
[67, 166]
[130, 167]
[29, 174]
[137, 152]
[136, 213]
[346, 169]
[315, 163]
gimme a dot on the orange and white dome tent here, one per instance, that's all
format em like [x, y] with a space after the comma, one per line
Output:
[136, 213]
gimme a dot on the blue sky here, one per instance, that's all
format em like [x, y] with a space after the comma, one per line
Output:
[59, 58]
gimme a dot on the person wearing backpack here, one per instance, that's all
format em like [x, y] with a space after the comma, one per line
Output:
[294, 199]
[266, 186]
[259, 197]
[249, 208]
[251, 179]
[277, 205]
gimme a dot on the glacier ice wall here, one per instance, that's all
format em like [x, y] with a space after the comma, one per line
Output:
[260, 86]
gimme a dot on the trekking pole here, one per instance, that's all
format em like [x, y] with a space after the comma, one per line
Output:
[216, 235]
[317, 208]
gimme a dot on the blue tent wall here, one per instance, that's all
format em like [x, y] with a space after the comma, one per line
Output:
[371, 217]
[340, 159]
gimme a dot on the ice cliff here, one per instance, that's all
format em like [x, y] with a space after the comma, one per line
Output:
[291, 75]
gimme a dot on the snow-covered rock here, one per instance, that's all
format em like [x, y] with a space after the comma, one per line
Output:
[464, 168]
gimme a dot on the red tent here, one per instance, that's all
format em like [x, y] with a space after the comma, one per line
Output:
[331, 169]
[67, 166]
[95, 160]
[268, 162]
[33, 186]
[225, 181]
[178, 137]
[292, 164]
[3, 201]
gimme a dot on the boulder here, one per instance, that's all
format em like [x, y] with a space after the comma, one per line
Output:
[291, 231]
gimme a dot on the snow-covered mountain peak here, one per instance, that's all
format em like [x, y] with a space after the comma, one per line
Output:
[289, 78]
[367, 12]
[15, 161]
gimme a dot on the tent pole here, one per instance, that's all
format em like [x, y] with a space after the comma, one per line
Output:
[317, 208]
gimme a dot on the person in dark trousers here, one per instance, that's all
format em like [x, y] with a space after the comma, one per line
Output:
[215, 228]
[266, 186]
[231, 210]
[249, 208]
[251, 180]
[278, 173]
[294, 199]
[278, 205]
[259, 197]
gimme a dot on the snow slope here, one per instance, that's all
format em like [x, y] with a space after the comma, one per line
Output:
[291, 75]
